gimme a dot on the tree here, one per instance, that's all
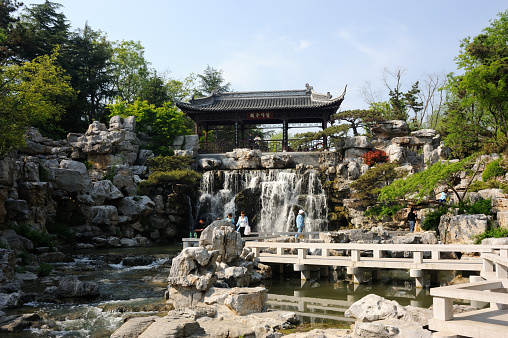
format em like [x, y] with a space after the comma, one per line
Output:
[357, 118]
[432, 97]
[211, 80]
[39, 30]
[478, 99]
[161, 123]
[30, 94]
[88, 60]
[130, 70]
[368, 186]
[417, 186]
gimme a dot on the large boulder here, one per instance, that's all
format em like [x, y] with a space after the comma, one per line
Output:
[222, 237]
[72, 287]
[243, 301]
[275, 161]
[373, 307]
[390, 129]
[7, 265]
[461, 229]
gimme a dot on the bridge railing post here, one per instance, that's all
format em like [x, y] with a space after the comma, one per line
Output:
[418, 257]
[302, 253]
[443, 308]
[355, 255]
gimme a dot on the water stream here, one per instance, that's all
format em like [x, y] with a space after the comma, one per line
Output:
[271, 198]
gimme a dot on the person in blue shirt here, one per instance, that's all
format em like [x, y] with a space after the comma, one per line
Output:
[229, 218]
[300, 222]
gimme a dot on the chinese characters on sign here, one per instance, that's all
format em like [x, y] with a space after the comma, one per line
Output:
[260, 115]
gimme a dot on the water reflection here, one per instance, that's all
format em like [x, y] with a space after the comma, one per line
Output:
[326, 300]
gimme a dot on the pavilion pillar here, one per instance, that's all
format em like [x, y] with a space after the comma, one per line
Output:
[236, 134]
[285, 135]
[323, 125]
[243, 135]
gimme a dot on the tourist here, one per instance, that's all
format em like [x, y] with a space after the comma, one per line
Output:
[411, 217]
[300, 222]
[199, 226]
[257, 139]
[442, 197]
[251, 141]
[229, 218]
[243, 222]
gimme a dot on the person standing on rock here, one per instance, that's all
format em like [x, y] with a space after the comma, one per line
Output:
[411, 218]
[242, 223]
[300, 222]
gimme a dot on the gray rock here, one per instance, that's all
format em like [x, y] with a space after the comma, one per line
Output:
[71, 287]
[461, 229]
[243, 301]
[104, 215]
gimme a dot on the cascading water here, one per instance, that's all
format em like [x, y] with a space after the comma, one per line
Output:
[272, 198]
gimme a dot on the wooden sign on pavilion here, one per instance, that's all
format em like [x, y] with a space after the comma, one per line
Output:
[247, 110]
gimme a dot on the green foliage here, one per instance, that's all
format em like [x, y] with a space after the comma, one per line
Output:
[479, 207]
[358, 118]
[380, 210]
[62, 232]
[44, 269]
[169, 163]
[211, 80]
[186, 177]
[497, 183]
[478, 99]
[417, 186]
[40, 238]
[368, 186]
[374, 156]
[162, 123]
[493, 169]
[332, 134]
[431, 221]
[30, 94]
[491, 233]
[130, 69]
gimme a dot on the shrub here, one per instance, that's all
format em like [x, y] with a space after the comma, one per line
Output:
[491, 233]
[186, 177]
[374, 156]
[431, 221]
[39, 238]
[169, 163]
[479, 207]
[61, 231]
[381, 210]
[44, 269]
[493, 169]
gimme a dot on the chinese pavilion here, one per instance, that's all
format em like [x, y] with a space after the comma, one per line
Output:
[268, 109]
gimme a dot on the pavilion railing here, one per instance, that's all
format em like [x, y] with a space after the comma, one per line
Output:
[218, 147]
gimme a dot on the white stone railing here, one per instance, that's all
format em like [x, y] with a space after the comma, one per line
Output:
[479, 292]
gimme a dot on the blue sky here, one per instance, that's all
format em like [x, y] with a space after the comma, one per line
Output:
[277, 45]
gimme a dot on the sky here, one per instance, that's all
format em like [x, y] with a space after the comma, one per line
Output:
[282, 45]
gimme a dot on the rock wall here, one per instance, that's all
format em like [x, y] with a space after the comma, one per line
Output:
[89, 183]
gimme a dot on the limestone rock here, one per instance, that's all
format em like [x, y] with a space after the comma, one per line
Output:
[104, 215]
[389, 129]
[244, 301]
[275, 161]
[373, 307]
[209, 164]
[461, 229]
[7, 265]
[71, 287]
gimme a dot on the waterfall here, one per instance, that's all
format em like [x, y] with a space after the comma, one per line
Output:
[271, 198]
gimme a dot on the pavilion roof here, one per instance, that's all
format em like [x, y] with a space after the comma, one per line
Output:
[262, 100]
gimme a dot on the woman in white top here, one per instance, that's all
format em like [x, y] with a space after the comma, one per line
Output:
[243, 222]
